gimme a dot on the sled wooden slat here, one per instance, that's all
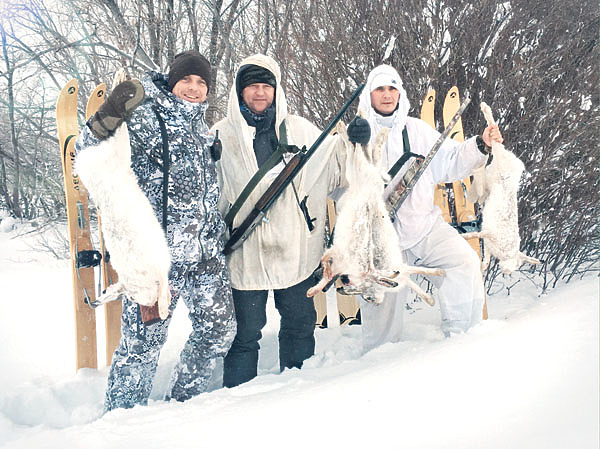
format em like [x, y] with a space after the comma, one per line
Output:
[440, 195]
[465, 210]
[79, 228]
[113, 309]
[428, 109]
[347, 306]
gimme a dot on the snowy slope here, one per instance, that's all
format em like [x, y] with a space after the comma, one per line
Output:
[526, 378]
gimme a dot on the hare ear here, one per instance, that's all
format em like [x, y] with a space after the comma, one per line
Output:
[367, 153]
[120, 76]
[351, 162]
[340, 129]
[366, 149]
[377, 147]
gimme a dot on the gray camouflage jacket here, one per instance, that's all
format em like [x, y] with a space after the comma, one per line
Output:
[194, 224]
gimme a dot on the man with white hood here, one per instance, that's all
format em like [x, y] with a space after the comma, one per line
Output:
[426, 239]
[282, 252]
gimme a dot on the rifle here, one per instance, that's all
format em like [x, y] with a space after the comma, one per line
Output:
[408, 180]
[285, 177]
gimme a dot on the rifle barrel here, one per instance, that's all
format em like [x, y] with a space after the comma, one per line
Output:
[305, 156]
[282, 180]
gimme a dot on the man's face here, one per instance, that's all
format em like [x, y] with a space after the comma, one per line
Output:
[191, 88]
[384, 99]
[258, 97]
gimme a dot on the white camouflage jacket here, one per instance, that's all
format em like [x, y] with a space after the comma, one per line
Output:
[194, 224]
[453, 161]
[281, 252]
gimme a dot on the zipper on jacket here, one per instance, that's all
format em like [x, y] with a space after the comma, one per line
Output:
[203, 177]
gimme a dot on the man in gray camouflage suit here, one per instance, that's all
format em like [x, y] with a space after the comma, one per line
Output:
[194, 227]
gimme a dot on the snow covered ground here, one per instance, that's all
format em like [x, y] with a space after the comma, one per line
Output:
[526, 378]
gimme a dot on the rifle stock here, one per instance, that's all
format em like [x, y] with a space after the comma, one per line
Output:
[279, 183]
[257, 214]
[283, 179]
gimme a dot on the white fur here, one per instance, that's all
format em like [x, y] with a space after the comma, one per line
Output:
[497, 185]
[120, 76]
[366, 247]
[136, 242]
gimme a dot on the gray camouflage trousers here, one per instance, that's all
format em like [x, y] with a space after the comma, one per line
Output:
[206, 291]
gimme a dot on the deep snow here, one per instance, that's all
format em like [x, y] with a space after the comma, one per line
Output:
[526, 378]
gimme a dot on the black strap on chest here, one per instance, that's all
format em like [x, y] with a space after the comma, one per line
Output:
[273, 160]
[406, 155]
[166, 160]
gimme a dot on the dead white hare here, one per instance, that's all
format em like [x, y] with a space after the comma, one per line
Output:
[136, 241]
[496, 185]
[366, 251]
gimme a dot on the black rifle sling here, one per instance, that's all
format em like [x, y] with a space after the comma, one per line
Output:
[273, 160]
[406, 155]
[166, 160]
[301, 204]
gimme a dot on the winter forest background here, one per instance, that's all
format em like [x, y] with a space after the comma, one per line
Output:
[534, 61]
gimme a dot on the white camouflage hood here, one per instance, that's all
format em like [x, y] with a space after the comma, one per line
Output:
[281, 251]
[246, 158]
[364, 102]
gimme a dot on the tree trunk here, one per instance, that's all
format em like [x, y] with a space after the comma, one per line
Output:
[14, 201]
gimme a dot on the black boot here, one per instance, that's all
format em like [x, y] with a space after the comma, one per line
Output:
[127, 96]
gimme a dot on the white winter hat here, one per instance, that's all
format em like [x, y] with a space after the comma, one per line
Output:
[386, 79]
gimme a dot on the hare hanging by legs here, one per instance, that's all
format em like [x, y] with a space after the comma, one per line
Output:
[366, 252]
[497, 185]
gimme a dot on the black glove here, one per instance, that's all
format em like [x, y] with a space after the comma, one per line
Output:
[359, 131]
[119, 105]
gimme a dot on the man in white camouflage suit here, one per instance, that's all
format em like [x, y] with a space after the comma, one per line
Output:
[281, 254]
[191, 220]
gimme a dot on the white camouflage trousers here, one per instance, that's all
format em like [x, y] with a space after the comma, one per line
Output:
[460, 293]
[205, 289]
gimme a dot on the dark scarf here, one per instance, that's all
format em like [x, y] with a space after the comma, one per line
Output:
[257, 120]
[265, 139]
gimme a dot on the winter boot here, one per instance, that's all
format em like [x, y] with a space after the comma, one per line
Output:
[127, 96]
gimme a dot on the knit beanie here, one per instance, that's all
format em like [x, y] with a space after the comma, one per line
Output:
[251, 74]
[189, 63]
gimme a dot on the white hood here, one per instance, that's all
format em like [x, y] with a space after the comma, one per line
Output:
[280, 252]
[246, 159]
[376, 79]
[233, 107]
